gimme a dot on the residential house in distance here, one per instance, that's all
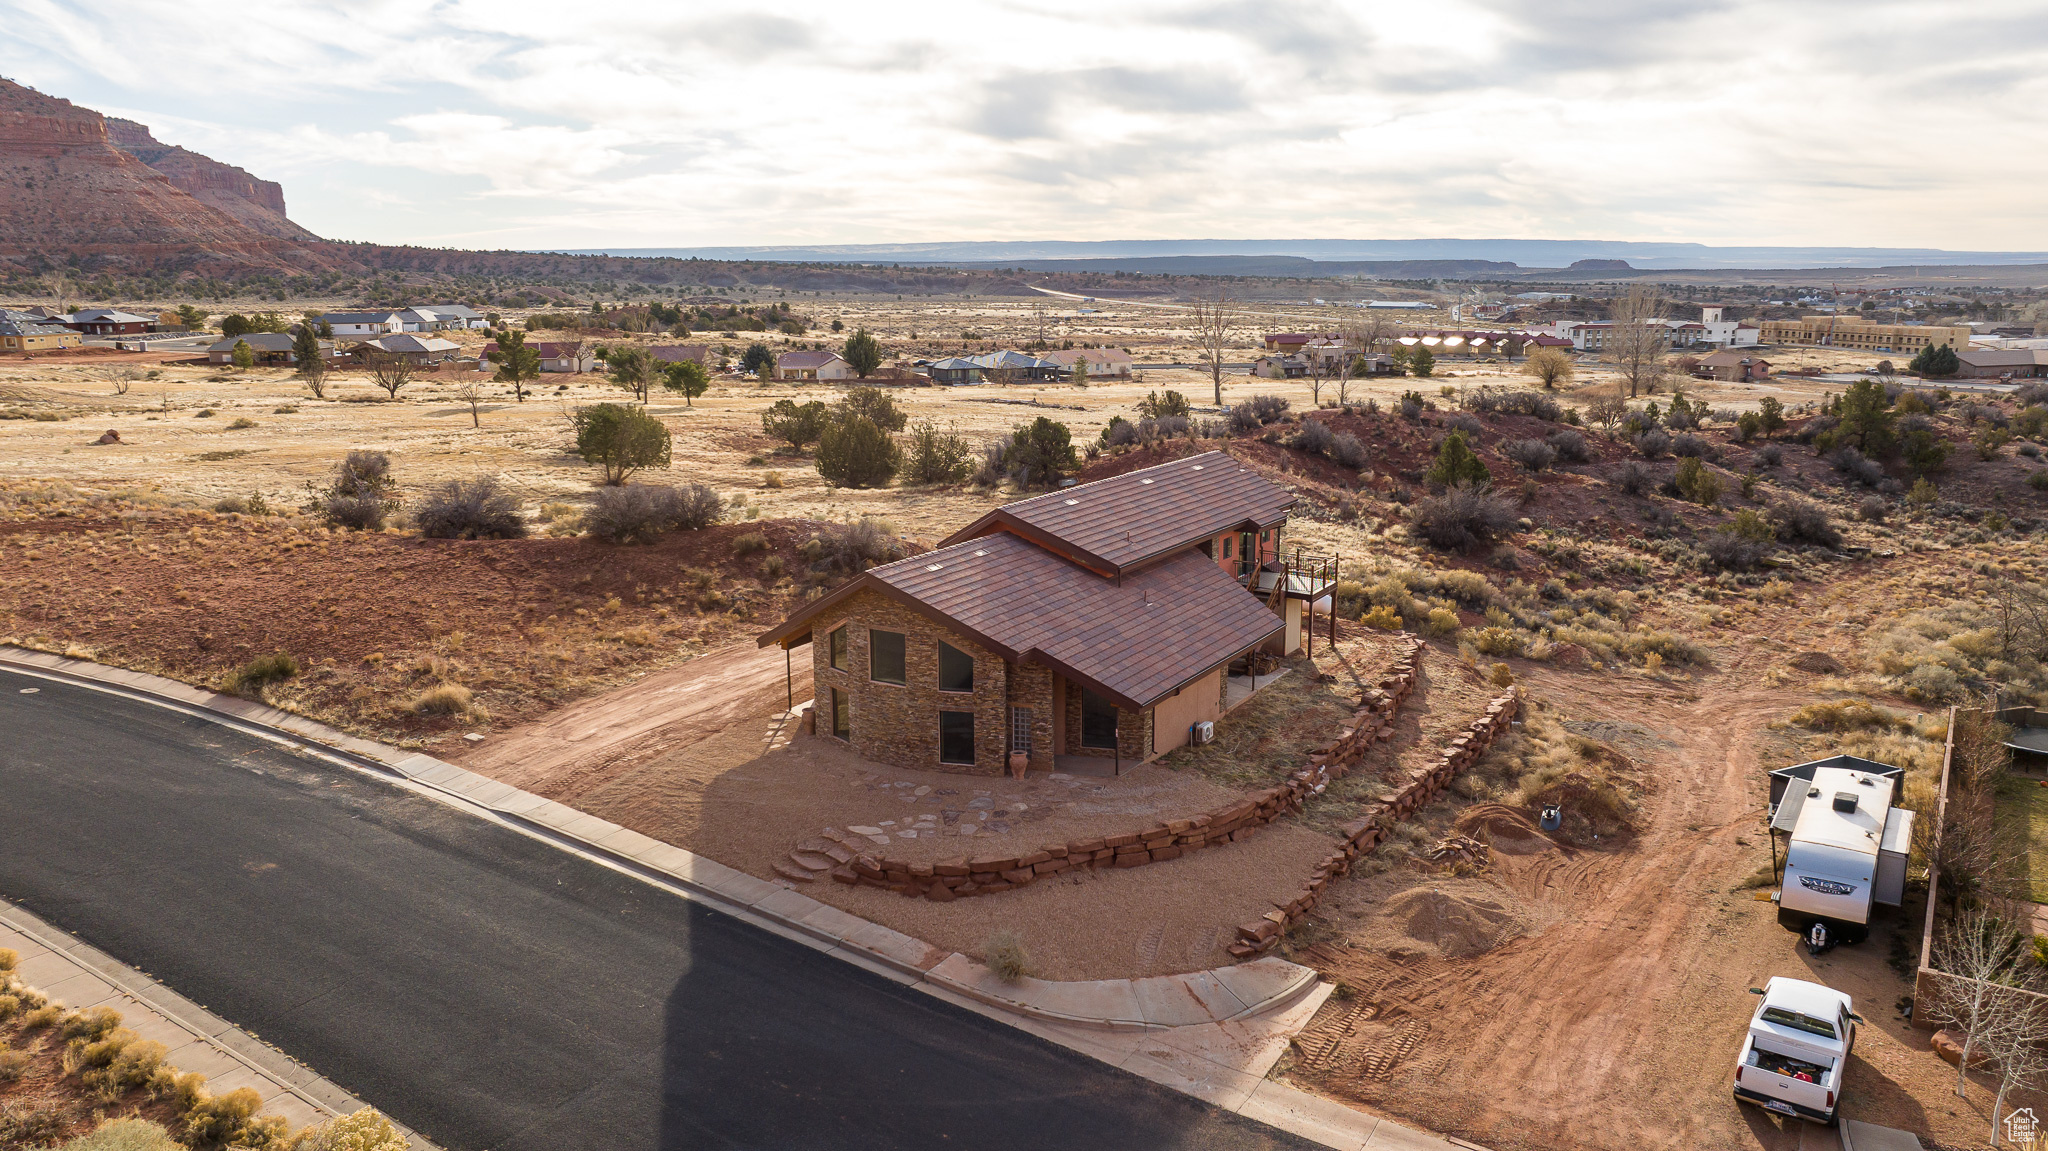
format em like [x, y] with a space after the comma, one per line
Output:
[955, 370]
[554, 357]
[1103, 363]
[2002, 363]
[270, 348]
[699, 354]
[1730, 366]
[1857, 332]
[418, 349]
[1280, 367]
[454, 316]
[29, 332]
[1293, 341]
[363, 323]
[1087, 629]
[106, 322]
[812, 366]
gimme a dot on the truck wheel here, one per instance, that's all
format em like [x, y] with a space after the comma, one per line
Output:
[1834, 1120]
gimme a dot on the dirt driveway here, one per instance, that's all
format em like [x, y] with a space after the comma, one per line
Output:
[1615, 1025]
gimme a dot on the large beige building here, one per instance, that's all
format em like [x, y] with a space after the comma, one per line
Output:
[1855, 332]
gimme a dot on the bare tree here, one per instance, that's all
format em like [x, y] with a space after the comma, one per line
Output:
[1214, 316]
[472, 393]
[2022, 609]
[123, 378]
[1636, 341]
[1984, 958]
[2015, 1045]
[1608, 412]
[313, 374]
[390, 372]
[1321, 369]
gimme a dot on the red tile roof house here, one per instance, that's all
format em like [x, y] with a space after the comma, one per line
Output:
[812, 366]
[1088, 629]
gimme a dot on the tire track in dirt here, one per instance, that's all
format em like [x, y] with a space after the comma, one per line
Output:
[1588, 1034]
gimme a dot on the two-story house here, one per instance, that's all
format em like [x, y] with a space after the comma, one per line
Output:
[1094, 623]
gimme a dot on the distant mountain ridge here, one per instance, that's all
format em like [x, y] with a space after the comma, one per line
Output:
[1528, 255]
[68, 191]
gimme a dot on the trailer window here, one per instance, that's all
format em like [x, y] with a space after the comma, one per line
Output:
[1793, 1019]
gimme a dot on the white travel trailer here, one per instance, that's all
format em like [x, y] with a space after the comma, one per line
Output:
[1847, 848]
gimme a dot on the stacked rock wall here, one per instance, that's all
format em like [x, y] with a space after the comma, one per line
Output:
[950, 879]
[1363, 834]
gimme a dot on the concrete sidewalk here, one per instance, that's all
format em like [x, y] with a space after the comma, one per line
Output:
[1210, 1034]
[80, 975]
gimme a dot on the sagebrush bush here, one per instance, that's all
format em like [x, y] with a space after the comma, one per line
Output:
[1634, 479]
[365, 1130]
[1462, 517]
[855, 547]
[1731, 551]
[1653, 443]
[125, 1135]
[1848, 715]
[641, 513]
[748, 544]
[474, 509]
[1570, 445]
[1798, 521]
[1770, 456]
[362, 492]
[1529, 455]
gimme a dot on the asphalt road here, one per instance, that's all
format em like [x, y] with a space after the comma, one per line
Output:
[491, 991]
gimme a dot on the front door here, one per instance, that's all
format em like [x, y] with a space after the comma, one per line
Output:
[1098, 722]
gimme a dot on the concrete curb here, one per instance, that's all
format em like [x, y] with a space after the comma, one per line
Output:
[82, 976]
[1229, 998]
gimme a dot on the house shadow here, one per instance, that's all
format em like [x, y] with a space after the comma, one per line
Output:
[768, 1043]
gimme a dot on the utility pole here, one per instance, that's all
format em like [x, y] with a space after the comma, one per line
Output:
[1834, 312]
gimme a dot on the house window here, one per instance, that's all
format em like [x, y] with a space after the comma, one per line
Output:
[1098, 721]
[956, 737]
[885, 656]
[842, 715]
[1020, 729]
[1229, 545]
[835, 647]
[956, 668]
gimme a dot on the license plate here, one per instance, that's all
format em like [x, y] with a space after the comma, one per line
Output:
[1781, 1108]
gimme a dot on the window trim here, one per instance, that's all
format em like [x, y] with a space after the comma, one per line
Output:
[873, 677]
[838, 648]
[971, 749]
[945, 647]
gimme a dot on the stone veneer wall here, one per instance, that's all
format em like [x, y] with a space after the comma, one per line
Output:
[900, 725]
[951, 879]
[1365, 833]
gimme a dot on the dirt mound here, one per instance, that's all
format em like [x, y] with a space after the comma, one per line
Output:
[1455, 925]
[1817, 662]
[1508, 830]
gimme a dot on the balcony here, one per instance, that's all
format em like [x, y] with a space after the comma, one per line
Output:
[1292, 576]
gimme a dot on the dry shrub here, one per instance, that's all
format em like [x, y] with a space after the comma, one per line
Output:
[1007, 958]
[1544, 764]
[855, 547]
[251, 678]
[217, 1119]
[749, 543]
[640, 513]
[1848, 715]
[365, 1130]
[476, 509]
[1462, 517]
[445, 699]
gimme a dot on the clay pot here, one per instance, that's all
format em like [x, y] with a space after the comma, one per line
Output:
[1019, 761]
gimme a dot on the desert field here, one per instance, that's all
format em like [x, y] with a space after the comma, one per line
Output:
[191, 543]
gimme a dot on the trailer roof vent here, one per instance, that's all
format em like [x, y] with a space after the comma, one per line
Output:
[1845, 801]
[1813, 793]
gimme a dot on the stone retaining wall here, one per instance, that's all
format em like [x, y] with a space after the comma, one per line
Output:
[1363, 834]
[950, 879]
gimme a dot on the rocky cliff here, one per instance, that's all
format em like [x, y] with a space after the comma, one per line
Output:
[69, 192]
[257, 203]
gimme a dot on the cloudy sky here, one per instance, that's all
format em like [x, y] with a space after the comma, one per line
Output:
[514, 124]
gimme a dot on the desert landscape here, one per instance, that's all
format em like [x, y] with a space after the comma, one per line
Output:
[1469, 944]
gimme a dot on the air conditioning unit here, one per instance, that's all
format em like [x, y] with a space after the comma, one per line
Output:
[1202, 733]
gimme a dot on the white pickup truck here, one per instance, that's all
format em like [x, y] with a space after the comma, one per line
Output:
[1797, 1050]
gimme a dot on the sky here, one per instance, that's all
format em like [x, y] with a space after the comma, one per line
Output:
[511, 124]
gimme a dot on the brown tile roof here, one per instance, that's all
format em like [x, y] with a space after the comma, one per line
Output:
[1136, 643]
[1126, 521]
